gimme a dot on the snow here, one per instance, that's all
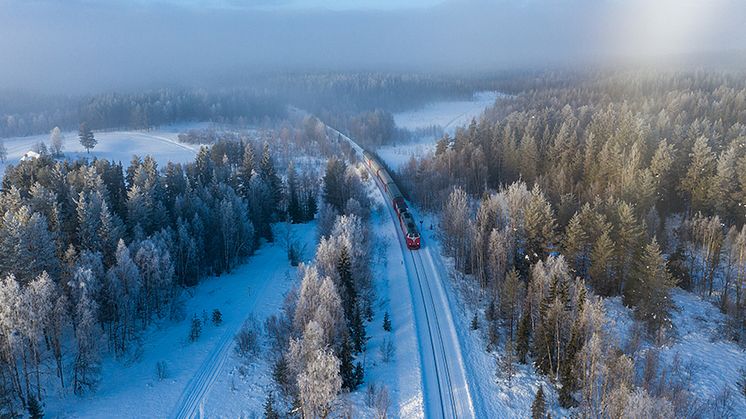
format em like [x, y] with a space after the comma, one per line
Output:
[118, 146]
[697, 348]
[130, 388]
[448, 115]
[493, 397]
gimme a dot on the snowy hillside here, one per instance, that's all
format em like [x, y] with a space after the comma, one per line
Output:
[118, 146]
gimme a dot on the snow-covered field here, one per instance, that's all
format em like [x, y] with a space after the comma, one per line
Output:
[130, 387]
[448, 115]
[161, 143]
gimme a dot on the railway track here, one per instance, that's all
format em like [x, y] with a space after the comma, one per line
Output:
[445, 386]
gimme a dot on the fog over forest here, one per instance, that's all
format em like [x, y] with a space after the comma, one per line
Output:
[92, 45]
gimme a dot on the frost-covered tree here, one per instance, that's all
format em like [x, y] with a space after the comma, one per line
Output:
[455, 228]
[317, 372]
[156, 270]
[56, 139]
[121, 293]
[86, 365]
[27, 247]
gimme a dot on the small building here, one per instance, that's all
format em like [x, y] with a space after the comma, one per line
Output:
[30, 155]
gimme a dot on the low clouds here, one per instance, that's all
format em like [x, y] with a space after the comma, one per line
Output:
[72, 46]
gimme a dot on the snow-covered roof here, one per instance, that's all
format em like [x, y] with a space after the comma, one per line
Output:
[30, 155]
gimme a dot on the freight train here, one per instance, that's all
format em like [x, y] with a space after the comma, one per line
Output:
[406, 220]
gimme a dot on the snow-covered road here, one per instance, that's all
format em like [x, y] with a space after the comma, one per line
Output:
[445, 383]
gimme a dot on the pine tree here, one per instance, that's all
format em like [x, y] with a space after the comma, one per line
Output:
[523, 336]
[386, 322]
[539, 406]
[269, 407]
[87, 140]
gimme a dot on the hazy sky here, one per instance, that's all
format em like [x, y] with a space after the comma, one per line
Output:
[89, 45]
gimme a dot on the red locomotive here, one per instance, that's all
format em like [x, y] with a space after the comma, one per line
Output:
[406, 221]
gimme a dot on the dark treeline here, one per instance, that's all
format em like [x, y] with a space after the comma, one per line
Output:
[93, 252]
[37, 114]
[611, 184]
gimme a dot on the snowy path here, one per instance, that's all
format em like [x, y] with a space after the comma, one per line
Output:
[190, 403]
[444, 377]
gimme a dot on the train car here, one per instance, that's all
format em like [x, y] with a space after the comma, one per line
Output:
[406, 221]
[409, 228]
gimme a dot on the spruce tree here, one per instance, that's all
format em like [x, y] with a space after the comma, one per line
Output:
[359, 374]
[246, 171]
[386, 322]
[699, 176]
[649, 289]
[628, 241]
[539, 406]
[475, 322]
[523, 336]
[346, 283]
[357, 329]
[574, 243]
[539, 225]
[346, 366]
[601, 269]
[35, 410]
[295, 210]
[87, 140]
[269, 175]
[269, 407]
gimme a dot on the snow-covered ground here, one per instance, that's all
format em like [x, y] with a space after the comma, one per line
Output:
[130, 387]
[160, 143]
[696, 349]
[448, 115]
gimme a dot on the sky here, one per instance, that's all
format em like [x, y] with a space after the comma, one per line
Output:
[70, 46]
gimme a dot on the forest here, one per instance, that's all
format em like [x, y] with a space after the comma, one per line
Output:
[93, 252]
[603, 184]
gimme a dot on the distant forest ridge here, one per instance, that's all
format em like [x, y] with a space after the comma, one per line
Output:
[22, 113]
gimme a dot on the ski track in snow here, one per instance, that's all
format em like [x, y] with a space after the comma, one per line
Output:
[199, 386]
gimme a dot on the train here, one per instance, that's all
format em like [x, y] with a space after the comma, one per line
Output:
[406, 220]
